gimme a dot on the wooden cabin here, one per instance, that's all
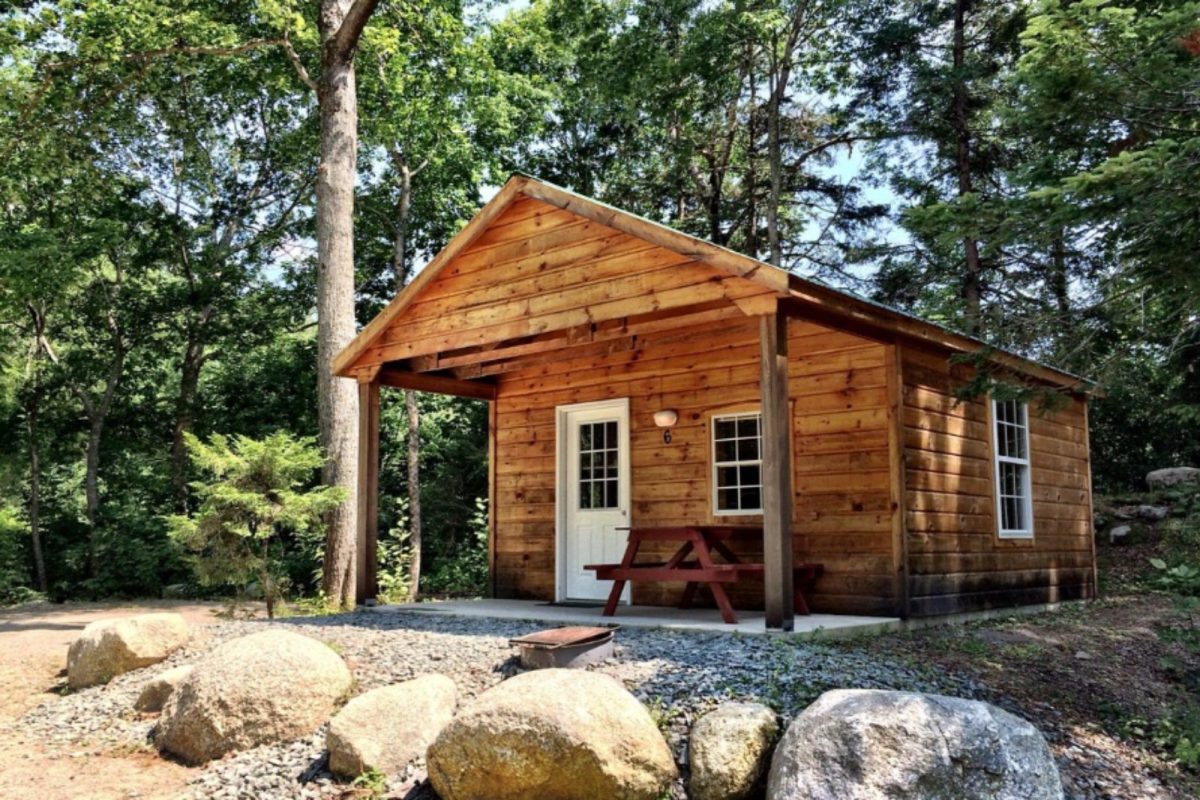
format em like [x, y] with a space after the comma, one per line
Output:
[829, 421]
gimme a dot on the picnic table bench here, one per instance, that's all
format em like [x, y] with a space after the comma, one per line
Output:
[700, 541]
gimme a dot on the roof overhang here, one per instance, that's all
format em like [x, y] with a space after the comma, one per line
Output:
[797, 296]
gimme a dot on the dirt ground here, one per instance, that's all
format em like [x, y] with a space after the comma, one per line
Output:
[33, 655]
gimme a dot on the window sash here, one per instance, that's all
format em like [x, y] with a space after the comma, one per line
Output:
[1010, 426]
[737, 464]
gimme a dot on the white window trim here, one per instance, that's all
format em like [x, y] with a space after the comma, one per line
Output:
[712, 443]
[1027, 489]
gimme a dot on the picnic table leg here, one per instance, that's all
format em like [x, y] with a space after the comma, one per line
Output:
[723, 603]
[689, 594]
[704, 556]
[614, 596]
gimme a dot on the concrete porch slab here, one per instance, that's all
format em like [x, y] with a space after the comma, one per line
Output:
[692, 619]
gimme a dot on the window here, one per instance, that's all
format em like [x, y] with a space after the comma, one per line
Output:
[1014, 493]
[737, 464]
[599, 484]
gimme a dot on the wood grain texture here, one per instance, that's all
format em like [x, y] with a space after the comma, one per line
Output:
[956, 561]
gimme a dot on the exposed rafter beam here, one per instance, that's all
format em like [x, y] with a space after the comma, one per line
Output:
[439, 384]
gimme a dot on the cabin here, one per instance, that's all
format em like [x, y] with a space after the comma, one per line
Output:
[638, 377]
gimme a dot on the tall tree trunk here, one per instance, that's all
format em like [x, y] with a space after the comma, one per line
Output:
[91, 488]
[751, 160]
[189, 382]
[972, 283]
[32, 410]
[1060, 280]
[780, 78]
[341, 23]
[401, 273]
[97, 415]
[414, 490]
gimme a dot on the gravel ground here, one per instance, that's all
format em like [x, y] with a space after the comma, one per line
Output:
[678, 675]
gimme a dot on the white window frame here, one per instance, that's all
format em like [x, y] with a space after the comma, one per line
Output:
[734, 415]
[1027, 472]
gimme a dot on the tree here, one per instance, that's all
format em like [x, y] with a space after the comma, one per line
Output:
[341, 24]
[253, 501]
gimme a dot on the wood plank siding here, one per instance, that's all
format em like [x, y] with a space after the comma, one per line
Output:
[957, 563]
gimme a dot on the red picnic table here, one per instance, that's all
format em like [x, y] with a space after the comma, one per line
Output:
[703, 541]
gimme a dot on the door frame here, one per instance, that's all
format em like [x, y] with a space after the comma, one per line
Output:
[624, 484]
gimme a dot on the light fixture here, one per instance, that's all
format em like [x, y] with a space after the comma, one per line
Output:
[665, 419]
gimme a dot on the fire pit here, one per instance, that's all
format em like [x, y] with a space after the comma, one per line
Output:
[570, 648]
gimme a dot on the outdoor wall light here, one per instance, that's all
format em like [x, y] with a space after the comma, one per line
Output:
[665, 419]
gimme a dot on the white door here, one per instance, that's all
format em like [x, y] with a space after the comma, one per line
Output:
[592, 493]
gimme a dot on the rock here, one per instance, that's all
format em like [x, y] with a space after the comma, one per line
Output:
[270, 686]
[1152, 513]
[386, 728]
[156, 690]
[552, 734]
[854, 744]
[111, 647]
[1172, 476]
[729, 751]
[1119, 533]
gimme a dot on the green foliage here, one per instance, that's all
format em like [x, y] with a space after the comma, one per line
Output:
[371, 784]
[466, 571]
[1181, 579]
[254, 498]
[395, 558]
[15, 580]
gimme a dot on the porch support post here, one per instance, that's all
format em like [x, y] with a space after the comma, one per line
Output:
[776, 471]
[366, 583]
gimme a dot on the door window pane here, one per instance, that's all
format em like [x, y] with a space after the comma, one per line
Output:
[599, 470]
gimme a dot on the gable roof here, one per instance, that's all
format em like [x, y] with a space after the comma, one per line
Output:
[808, 298]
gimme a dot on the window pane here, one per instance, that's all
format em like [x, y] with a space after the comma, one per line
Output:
[585, 437]
[725, 429]
[610, 434]
[749, 475]
[597, 494]
[585, 466]
[727, 476]
[726, 451]
[747, 426]
[585, 494]
[752, 498]
[610, 464]
[727, 500]
[610, 500]
[748, 450]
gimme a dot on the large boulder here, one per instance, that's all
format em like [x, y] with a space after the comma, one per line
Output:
[857, 744]
[729, 750]
[552, 734]
[269, 686]
[386, 728]
[1172, 476]
[111, 647]
[158, 689]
